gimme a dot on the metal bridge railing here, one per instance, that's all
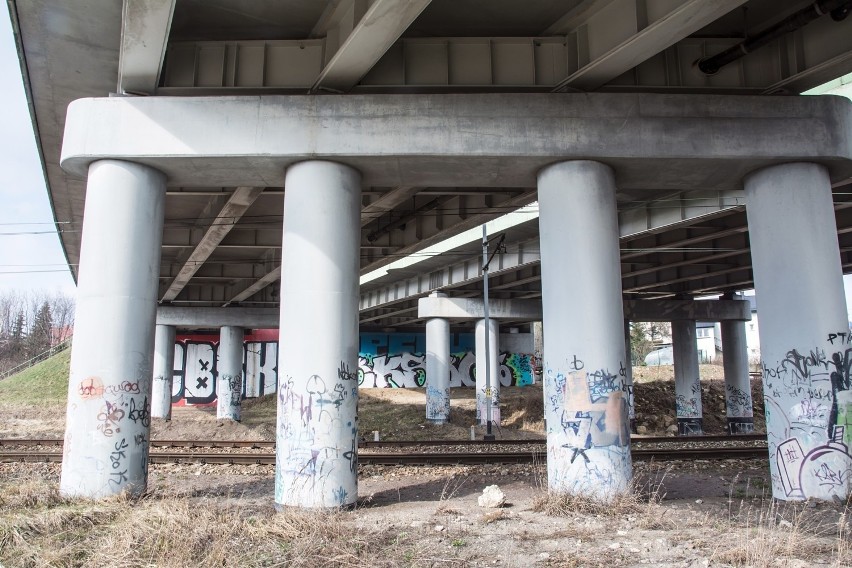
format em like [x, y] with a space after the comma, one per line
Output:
[58, 348]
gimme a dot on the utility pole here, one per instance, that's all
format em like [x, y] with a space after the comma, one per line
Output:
[486, 261]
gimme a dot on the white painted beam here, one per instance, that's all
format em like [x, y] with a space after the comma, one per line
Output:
[240, 201]
[682, 21]
[145, 26]
[384, 22]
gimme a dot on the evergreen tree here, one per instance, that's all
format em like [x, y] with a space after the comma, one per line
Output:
[17, 338]
[40, 337]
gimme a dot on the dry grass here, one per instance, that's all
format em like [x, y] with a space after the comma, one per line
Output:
[640, 503]
[777, 533]
[38, 527]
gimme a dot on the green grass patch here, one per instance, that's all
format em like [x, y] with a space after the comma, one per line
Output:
[44, 383]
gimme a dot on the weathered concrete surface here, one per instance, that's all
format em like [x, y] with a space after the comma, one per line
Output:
[660, 141]
[804, 332]
[112, 359]
[588, 429]
[317, 429]
[193, 318]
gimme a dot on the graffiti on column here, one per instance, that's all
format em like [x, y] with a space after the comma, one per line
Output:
[808, 398]
[437, 403]
[738, 402]
[124, 417]
[587, 429]
[312, 417]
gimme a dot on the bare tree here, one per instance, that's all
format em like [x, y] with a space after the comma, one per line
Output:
[31, 323]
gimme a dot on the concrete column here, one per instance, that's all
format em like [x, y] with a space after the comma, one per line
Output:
[438, 368]
[317, 436]
[538, 350]
[109, 394]
[588, 432]
[740, 410]
[804, 335]
[164, 370]
[628, 377]
[687, 380]
[481, 336]
[229, 384]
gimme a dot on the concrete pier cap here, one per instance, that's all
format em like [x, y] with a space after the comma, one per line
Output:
[679, 141]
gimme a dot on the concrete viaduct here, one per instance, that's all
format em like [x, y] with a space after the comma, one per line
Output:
[264, 155]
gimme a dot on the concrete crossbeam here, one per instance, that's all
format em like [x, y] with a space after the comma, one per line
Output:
[474, 308]
[698, 310]
[195, 318]
[499, 140]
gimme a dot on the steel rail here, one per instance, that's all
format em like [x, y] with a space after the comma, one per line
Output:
[423, 458]
[258, 444]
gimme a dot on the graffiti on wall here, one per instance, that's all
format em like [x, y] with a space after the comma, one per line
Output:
[808, 398]
[408, 370]
[588, 430]
[261, 368]
[196, 371]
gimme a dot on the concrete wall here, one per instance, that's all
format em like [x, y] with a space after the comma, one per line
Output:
[395, 360]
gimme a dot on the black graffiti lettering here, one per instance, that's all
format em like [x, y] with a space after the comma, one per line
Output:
[140, 414]
[344, 374]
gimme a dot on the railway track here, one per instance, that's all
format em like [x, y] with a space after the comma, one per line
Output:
[420, 458]
[260, 444]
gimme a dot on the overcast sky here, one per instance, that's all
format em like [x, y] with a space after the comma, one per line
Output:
[30, 254]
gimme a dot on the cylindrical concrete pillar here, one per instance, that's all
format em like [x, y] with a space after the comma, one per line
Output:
[628, 377]
[229, 384]
[438, 369]
[109, 394]
[588, 431]
[804, 334]
[164, 369]
[491, 334]
[738, 402]
[687, 381]
[317, 439]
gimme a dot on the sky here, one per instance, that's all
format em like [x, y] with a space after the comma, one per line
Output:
[30, 253]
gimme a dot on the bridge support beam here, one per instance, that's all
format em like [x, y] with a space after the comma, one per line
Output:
[491, 334]
[687, 380]
[588, 430]
[229, 384]
[317, 432]
[164, 370]
[738, 401]
[109, 394]
[438, 369]
[804, 332]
